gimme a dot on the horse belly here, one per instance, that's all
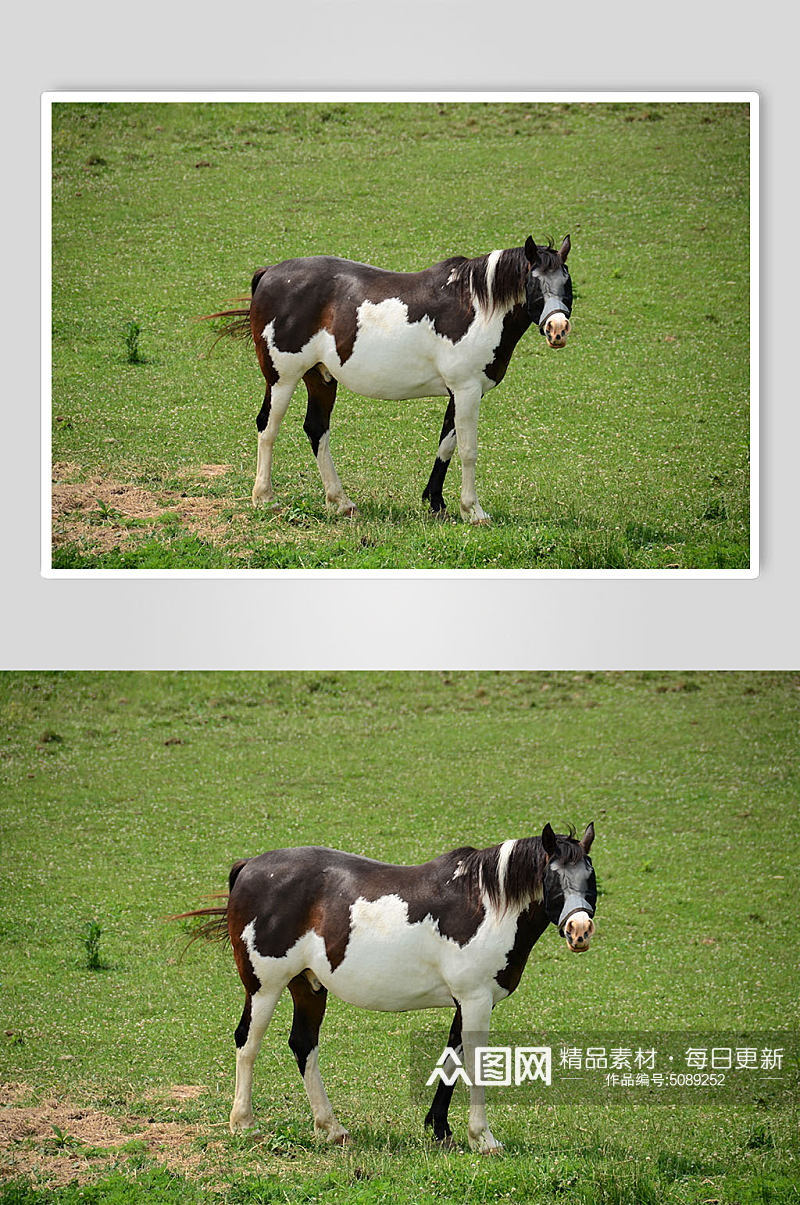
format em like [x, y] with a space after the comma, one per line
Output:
[392, 358]
[389, 964]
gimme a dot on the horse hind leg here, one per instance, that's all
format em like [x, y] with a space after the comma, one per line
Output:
[276, 403]
[321, 397]
[258, 1009]
[447, 446]
[262, 486]
[309, 1009]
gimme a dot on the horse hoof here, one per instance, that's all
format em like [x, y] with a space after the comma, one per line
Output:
[342, 1139]
[486, 1146]
[475, 515]
[348, 509]
[243, 1127]
[265, 500]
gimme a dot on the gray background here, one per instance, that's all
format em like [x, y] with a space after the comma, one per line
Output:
[351, 623]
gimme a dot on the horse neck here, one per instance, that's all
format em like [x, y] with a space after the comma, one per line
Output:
[531, 924]
[516, 320]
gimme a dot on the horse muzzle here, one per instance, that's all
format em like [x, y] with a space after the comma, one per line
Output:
[578, 932]
[554, 321]
[556, 329]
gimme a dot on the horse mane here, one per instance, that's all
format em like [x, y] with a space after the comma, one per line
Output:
[505, 285]
[523, 876]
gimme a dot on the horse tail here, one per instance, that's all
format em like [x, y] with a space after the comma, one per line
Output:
[239, 326]
[213, 924]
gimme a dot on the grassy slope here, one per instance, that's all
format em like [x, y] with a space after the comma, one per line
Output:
[629, 449]
[126, 798]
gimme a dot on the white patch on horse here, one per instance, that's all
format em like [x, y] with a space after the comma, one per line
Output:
[446, 449]
[394, 359]
[307, 953]
[491, 268]
[391, 965]
[503, 857]
[423, 959]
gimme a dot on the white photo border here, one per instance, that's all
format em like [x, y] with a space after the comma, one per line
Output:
[49, 98]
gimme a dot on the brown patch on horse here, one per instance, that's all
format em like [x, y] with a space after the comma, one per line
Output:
[344, 334]
[237, 920]
[332, 922]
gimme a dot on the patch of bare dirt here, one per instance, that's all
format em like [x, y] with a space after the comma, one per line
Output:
[208, 471]
[130, 500]
[66, 470]
[98, 511]
[60, 1143]
[187, 1091]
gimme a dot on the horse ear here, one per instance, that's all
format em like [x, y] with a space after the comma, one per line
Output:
[563, 250]
[549, 840]
[531, 253]
[587, 838]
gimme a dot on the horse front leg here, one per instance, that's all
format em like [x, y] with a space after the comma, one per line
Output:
[467, 405]
[475, 1014]
[447, 446]
[436, 1117]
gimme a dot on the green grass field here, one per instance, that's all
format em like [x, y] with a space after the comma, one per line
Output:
[126, 797]
[630, 449]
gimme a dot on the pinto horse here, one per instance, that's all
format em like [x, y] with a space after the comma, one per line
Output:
[456, 930]
[449, 331]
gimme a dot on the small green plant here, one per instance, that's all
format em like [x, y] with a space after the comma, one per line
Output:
[62, 1140]
[91, 942]
[132, 332]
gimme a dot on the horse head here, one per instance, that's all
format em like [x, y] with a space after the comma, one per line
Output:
[570, 887]
[548, 290]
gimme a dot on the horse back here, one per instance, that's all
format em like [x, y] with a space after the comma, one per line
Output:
[287, 893]
[301, 297]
